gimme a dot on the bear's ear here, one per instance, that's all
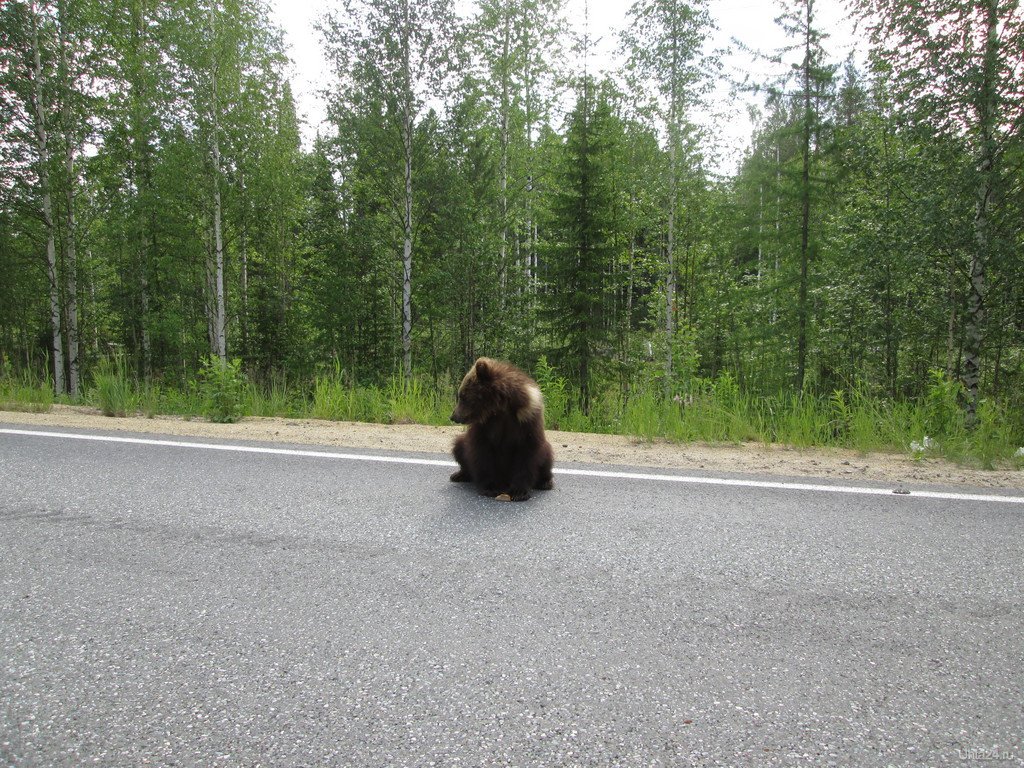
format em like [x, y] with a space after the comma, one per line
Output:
[483, 370]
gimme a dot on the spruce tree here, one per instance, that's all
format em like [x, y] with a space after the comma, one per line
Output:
[581, 242]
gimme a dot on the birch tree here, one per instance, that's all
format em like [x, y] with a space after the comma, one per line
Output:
[227, 57]
[959, 67]
[76, 68]
[397, 54]
[665, 45]
[211, 110]
[40, 104]
[54, 51]
[515, 42]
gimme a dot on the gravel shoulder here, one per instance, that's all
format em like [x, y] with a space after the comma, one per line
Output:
[744, 458]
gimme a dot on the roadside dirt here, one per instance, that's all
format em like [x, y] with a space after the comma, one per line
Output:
[745, 458]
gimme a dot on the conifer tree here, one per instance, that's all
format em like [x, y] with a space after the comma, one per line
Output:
[582, 240]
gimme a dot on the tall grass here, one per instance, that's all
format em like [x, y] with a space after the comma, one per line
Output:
[710, 410]
[114, 391]
[22, 392]
[157, 398]
[397, 403]
[336, 401]
[718, 412]
[415, 402]
[277, 397]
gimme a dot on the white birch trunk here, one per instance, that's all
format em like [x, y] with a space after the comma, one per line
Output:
[670, 278]
[141, 151]
[503, 163]
[407, 137]
[70, 254]
[951, 344]
[778, 226]
[243, 253]
[220, 315]
[71, 274]
[209, 298]
[628, 334]
[974, 330]
[673, 140]
[44, 184]
[531, 227]
[805, 207]
[147, 345]
[407, 268]
[220, 312]
[760, 232]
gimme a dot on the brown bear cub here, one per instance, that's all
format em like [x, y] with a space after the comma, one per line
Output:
[504, 451]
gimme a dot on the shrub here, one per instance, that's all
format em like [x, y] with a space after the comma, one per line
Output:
[556, 393]
[223, 385]
[943, 414]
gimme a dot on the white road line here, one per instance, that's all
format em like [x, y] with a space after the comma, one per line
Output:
[693, 480]
[234, 448]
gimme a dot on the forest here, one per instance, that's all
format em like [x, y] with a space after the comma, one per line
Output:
[484, 189]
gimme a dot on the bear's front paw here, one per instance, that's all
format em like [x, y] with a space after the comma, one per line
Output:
[462, 476]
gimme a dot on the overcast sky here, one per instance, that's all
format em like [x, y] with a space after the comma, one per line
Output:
[752, 22]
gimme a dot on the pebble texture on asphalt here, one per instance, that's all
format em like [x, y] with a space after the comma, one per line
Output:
[173, 607]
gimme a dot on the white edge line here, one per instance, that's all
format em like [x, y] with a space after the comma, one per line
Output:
[231, 447]
[693, 480]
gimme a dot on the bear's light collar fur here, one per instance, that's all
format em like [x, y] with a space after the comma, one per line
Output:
[535, 406]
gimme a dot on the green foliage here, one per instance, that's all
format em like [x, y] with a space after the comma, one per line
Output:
[713, 410]
[274, 398]
[415, 402]
[556, 393]
[150, 399]
[23, 392]
[334, 399]
[583, 239]
[809, 298]
[399, 402]
[943, 415]
[223, 388]
[698, 416]
[114, 391]
[994, 440]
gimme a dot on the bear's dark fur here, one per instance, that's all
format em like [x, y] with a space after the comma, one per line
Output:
[504, 451]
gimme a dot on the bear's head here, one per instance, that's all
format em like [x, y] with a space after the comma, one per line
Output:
[478, 398]
[491, 388]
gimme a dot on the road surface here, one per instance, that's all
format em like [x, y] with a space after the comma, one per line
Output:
[199, 604]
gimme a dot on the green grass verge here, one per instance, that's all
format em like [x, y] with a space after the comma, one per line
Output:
[22, 393]
[712, 411]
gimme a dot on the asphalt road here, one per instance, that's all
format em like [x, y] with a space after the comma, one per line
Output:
[166, 605]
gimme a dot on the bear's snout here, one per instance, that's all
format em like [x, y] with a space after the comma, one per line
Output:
[457, 417]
